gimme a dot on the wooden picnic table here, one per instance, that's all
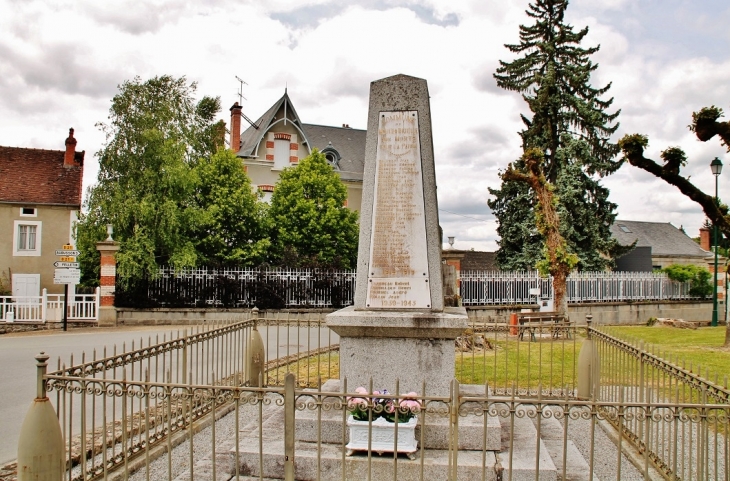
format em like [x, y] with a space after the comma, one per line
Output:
[533, 321]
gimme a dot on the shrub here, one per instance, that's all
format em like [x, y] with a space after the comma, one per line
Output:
[698, 277]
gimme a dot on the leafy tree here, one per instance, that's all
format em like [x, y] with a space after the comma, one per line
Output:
[698, 277]
[155, 136]
[571, 126]
[229, 229]
[309, 224]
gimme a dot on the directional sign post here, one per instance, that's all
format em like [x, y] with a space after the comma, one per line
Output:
[74, 265]
[67, 272]
[66, 276]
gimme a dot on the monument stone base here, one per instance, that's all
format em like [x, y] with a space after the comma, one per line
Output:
[408, 346]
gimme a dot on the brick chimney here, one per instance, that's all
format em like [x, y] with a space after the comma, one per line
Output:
[705, 238]
[235, 127]
[68, 158]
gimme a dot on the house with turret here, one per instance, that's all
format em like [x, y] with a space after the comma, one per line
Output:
[279, 139]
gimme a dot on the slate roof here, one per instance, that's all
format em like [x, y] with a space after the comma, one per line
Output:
[349, 143]
[252, 136]
[36, 176]
[663, 238]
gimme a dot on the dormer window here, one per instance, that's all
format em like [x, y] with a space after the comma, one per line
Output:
[332, 156]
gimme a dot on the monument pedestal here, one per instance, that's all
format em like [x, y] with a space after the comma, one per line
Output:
[411, 346]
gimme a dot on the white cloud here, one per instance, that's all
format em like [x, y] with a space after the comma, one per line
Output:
[60, 64]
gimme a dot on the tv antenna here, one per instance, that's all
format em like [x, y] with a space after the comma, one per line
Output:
[241, 98]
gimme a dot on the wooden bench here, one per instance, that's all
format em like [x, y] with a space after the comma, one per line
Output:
[532, 321]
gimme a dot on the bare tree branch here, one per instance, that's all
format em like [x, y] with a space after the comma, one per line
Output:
[633, 149]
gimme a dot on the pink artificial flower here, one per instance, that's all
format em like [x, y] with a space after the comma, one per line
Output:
[356, 402]
[410, 403]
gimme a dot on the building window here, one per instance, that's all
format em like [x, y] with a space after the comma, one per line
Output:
[332, 156]
[281, 153]
[27, 238]
[624, 228]
[28, 212]
[266, 192]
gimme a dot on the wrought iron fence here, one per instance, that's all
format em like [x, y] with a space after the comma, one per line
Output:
[265, 288]
[280, 288]
[295, 433]
[504, 287]
[182, 409]
[686, 443]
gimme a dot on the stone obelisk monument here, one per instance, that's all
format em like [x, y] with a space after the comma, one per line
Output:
[398, 327]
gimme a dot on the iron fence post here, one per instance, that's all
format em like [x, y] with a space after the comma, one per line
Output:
[588, 366]
[289, 409]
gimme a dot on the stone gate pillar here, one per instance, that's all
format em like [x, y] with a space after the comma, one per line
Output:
[107, 315]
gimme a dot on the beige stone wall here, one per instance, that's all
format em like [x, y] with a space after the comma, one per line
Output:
[354, 195]
[666, 261]
[55, 232]
[612, 313]
[162, 317]
[634, 313]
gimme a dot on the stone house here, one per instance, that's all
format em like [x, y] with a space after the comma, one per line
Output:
[279, 139]
[658, 245]
[40, 198]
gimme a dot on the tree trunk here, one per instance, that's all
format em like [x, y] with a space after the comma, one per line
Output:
[559, 261]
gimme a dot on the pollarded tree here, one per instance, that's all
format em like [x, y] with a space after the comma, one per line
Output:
[146, 184]
[557, 259]
[309, 223]
[571, 126]
[705, 125]
[230, 227]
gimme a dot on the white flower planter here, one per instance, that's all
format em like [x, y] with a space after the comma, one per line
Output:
[383, 436]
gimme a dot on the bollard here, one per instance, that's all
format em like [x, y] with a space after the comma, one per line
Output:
[256, 354]
[588, 367]
[40, 445]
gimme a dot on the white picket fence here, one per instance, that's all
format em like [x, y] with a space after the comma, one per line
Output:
[515, 287]
[49, 307]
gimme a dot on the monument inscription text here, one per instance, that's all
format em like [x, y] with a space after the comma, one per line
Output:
[398, 269]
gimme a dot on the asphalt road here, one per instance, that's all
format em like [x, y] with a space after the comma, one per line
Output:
[18, 351]
[17, 376]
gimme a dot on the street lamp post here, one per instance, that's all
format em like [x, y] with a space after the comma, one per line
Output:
[716, 166]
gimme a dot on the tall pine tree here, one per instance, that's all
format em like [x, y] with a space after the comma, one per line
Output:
[571, 126]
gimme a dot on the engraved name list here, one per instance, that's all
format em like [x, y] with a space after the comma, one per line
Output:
[398, 273]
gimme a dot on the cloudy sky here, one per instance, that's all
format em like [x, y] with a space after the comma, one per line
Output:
[62, 60]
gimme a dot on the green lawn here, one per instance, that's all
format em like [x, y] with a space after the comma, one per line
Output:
[701, 347]
[526, 365]
[551, 364]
